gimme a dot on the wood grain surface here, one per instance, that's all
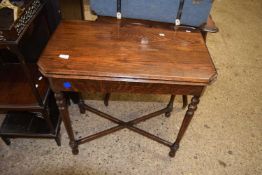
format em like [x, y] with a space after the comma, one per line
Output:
[77, 85]
[16, 93]
[127, 52]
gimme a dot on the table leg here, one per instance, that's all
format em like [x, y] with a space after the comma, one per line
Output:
[192, 107]
[81, 104]
[185, 103]
[106, 99]
[61, 103]
[170, 106]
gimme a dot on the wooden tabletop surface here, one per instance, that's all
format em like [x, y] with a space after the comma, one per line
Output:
[133, 53]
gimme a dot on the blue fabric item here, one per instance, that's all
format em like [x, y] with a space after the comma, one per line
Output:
[195, 12]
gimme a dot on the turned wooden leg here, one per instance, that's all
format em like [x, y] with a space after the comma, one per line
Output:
[185, 102]
[81, 104]
[106, 99]
[170, 106]
[6, 140]
[192, 107]
[61, 103]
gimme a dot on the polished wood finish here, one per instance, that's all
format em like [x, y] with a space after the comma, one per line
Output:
[114, 56]
[209, 27]
[20, 95]
[127, 53]
[60, 101]
[147, 87]
[192, 107]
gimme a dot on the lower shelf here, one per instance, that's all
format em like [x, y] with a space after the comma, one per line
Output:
[26, 124]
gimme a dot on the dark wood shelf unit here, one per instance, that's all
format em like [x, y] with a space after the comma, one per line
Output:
[25, 96]
[16, 93]
[27, 116]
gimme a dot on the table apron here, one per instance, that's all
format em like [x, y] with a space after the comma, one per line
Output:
[83, 85]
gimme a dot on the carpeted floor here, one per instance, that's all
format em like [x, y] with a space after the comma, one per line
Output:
[225, 136]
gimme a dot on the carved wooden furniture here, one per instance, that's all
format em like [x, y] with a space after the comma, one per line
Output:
[25, 96]
[126, 56]
[13, 32]
[8, 4]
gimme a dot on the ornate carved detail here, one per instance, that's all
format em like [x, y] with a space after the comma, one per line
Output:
[192, 107]
[61, 103]
[26, 17]
[8, 4]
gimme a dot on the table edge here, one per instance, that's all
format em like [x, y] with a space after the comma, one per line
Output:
[210, 81]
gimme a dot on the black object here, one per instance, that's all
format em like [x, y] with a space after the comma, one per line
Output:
[26, 99]
[118, 6]
[6, 18]
[180, 9]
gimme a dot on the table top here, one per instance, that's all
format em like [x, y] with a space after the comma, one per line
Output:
[127, 52]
